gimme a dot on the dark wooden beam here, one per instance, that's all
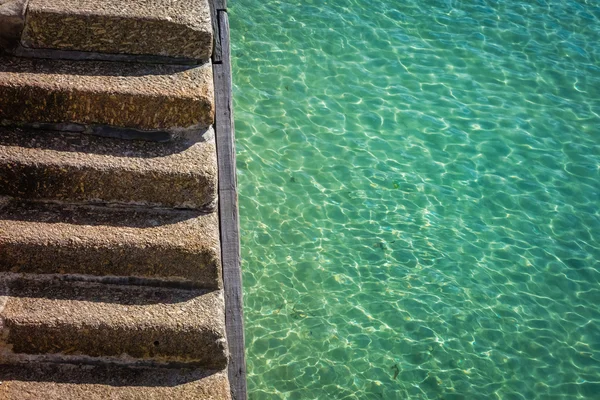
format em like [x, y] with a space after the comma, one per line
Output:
[217, 50]
[228, 210]
[221, 5]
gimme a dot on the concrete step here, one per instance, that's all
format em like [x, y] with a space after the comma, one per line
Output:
[86, 168]
[179, 29]
[50, 315]
[88, 95]
[179, 247]
[58, 381]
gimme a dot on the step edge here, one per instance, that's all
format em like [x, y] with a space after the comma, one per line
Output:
[9, 357]
[77, 55]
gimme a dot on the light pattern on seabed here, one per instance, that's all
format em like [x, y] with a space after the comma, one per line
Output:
[419, 197]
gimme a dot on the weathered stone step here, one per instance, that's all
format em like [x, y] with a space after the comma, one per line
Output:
[177, 246]
[179, 29]
[48, 315]
[79, 95]
[86, 168]
[56, 381]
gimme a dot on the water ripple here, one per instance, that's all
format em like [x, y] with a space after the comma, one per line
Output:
[419, 191]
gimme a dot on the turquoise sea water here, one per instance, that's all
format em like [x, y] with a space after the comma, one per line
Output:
[419, 197]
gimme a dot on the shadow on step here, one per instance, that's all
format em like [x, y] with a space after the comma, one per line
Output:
[56, 287]
[105, 145]
[48, 69]
[103, 374]
[98, 215]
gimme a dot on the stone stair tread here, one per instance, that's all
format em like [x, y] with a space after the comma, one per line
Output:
[151, 27]
[87, 168]
[63, 381]
[48, 238]
[50, 315]
[148, 97]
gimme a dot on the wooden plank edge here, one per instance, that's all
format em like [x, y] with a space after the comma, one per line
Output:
[228, 213]
[217, 50]
[221, 5]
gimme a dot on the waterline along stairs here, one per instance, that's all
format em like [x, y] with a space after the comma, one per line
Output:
[111, 284]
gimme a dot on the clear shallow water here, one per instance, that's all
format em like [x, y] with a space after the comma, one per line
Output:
[419, 197]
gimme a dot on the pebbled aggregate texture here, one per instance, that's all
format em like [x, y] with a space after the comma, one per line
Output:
[127, 95]
[51, 316]
[52, 381]
[173, 245]
[419, 195]
[180, 28]
[86, 168]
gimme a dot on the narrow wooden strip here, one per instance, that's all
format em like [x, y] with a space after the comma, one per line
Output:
[232, 278]
[221, 5]
[228, 214]
[224, 115]
[217, 50]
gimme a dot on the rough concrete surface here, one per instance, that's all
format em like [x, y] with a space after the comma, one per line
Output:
[50, 381]
[140, 96]
[161, 244]
[12, 21]
[50, 315]
[77, 167]
[156, 27]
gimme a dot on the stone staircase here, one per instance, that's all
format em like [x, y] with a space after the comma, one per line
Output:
[110, 259]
